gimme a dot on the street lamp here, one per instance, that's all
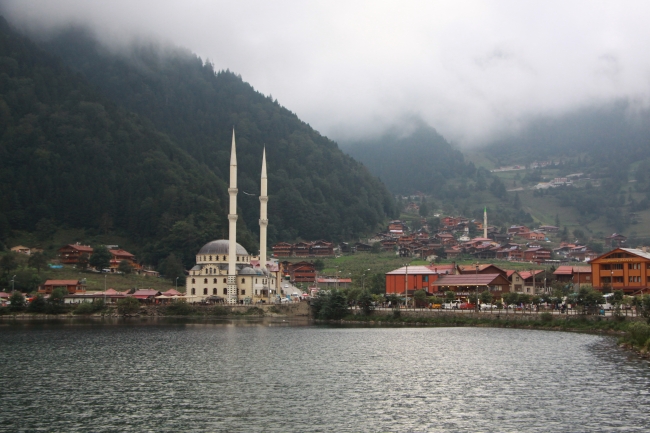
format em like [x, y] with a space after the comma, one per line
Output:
[12, 284]
[406, 286]
[363, 280]
[476, 279]
[177, 284]
[104, 289]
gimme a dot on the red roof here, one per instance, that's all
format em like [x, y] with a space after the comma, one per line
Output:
[5, 295]
[172, 292]
[121, 253]
[467, 280]
[145, 293]
[570, 270]
[82, 248]
[61, 283]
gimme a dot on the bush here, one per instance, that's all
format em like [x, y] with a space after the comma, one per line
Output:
[639, 333]
[17, 302]
[90, 307]
[128, 306]
[179, 308]
[255, 311]
[38, 305]
[546, 317]
[330, 305]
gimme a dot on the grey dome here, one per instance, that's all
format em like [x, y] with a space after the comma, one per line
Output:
[221, 247]
[248, 271]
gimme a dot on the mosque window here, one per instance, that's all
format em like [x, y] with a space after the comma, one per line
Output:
[224, 258]
[243, 280]
[193, 281]
[210, 258]
[225, 291]
[214, 291]
[205, 291]
[255, 280]
[215, 281]
[224, 280]
[205, 281]
[243, 292]
[193, 291]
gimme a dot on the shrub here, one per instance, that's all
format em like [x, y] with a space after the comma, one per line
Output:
[546, 317]
[38, 305]
[90, 307]
[128, 306]
[17, 302]
[179, 308]
[255, 311]
[639, 333]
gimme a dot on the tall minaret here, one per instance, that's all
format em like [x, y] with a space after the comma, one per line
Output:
[263, 217]
[232, 226]
[485, 222]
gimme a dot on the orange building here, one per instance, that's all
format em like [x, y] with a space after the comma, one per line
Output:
[419, 278]
[72, 286]
[70, 254]
[118, 255]
[626, 269]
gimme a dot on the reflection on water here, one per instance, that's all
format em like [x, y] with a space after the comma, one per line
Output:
[274, 375]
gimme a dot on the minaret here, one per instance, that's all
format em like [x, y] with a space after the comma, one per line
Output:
[485, 222]
[263, 217]
[232, 226]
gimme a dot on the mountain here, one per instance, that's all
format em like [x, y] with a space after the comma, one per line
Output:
[421, 160]
[316, 191]
[144, 154]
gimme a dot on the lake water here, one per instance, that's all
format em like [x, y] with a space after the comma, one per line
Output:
[274, 376]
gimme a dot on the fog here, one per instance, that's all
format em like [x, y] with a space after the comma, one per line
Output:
[474, 70]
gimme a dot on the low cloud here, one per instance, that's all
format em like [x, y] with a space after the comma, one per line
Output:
[474, 70]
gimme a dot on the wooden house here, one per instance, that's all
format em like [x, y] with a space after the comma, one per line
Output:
[72, 286]
[70, 254]
[322, 249]
[302, 249]
[626, 269]
[301, 272]
[282, 249]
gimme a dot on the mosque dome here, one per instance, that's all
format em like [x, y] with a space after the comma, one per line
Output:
[249, 271]
[220, 246]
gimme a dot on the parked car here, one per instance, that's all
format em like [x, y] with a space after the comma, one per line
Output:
[450, 305]
[467, 306]
[488, 307]
[435, 306]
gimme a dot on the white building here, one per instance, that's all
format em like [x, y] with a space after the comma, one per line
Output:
[235, 278]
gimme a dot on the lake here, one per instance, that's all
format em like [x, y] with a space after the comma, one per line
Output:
[276, 376]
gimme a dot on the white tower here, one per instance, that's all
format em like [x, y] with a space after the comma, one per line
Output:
[232, 226]
[485, 222]
[263, 217]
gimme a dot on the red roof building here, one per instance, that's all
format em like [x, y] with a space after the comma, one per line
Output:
[574, 274]
[465, 285]
[72, 286]
[70, 254]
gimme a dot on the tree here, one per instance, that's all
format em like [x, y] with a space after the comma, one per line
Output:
[376, 248]
[517, 202]
[450, 296]
[16, 302]
[557, 220]
[101, 258]
[319, 265]
[565, 234]
[330, 305]
[45, 228]
[83, 261]
[424, 208]
[58, 295]
[420, 298]
[128, 305]
[38, 305]
[486, 297]
[125, 267]
[27, 279]
[38, 261]
[8, 262]
[365, 302]
[172, 268]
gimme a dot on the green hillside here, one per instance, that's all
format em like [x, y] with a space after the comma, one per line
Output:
[315, 190]
[136, 147]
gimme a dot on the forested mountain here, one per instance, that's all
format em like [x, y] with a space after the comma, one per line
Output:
[419, 161]
[315, 190]
[609, 144]
[138, 145]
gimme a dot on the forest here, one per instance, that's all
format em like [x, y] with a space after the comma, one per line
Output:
[137, 144]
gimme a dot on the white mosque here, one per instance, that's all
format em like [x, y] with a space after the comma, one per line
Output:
[239, 277]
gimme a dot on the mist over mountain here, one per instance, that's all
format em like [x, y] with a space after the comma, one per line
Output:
[418, 160]
[140, 140]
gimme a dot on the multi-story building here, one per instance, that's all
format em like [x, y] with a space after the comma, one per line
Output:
[626, 269]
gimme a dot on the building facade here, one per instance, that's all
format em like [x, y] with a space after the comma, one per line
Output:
[625, 269]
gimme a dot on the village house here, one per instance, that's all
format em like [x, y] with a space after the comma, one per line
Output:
[411, 277]
[302, 249]
[469, 284]
[282, 249]
[301, 272]
[119, 255]
[615, 240]
[360, 247]
[517, 230]
[71, 286]
[70, 254]
[531, 282]
[537, 254]
[625, 269]
[20, 249]
[576, 275]
[322, 248]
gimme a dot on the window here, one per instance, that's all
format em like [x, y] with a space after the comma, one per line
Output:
[225, 291]
[517, 279]
[618, 279]
[617, 266]
[205, 291]
[243, 292]
[224, 258]
[588, 278]
[634, 279]
[210, 258]
[214, 291]
[215, 282]
[425, 278]
[606, 267]
[224, 281]
[193, 281]
[243, 280]
[606, 280]
[205, 281]
[193, 291]
[255, 280]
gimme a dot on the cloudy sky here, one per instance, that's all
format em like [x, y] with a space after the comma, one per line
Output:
[471, 69]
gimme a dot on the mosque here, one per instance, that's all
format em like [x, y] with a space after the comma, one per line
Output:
[238, 277]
